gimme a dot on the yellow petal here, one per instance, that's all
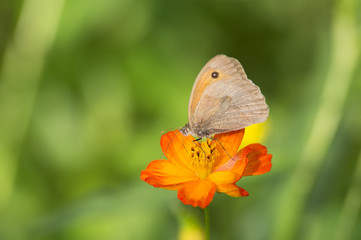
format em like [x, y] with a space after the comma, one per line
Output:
[222, 177]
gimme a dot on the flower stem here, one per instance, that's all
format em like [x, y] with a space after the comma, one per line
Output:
[207, 226]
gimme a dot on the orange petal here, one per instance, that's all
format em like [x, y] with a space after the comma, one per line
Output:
[222, 177]
[232, 190]
[230, 142]
[163, 173]
[174, 146]
[259, 161]
[240, 167]
[198, 193]
[236, 165]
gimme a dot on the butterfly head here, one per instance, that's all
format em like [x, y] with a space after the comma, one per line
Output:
[185, 130]
[195, 132]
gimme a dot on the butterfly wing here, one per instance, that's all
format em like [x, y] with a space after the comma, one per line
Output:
[229, 102]
[204, 79]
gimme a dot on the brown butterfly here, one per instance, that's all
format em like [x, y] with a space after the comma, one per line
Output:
[223, 99]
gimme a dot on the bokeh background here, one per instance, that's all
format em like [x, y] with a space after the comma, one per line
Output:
[87, 86]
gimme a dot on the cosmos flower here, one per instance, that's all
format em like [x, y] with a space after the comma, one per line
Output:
[199, 169]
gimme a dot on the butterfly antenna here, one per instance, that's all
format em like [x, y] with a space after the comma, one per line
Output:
[184, 146]
[167, 130]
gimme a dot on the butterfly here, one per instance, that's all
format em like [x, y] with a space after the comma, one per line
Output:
[223, 99]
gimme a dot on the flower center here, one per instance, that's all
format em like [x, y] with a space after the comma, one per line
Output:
[203, 157]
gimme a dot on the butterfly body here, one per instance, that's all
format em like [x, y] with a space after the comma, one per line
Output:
[223, 99]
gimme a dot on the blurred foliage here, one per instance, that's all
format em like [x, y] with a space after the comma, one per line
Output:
[86, 87]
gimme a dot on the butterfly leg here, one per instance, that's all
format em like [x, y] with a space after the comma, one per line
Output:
[223, 148]
[197, 143]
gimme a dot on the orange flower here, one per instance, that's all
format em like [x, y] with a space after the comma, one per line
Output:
[198, 170]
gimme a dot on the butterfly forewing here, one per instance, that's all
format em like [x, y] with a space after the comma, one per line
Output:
[224, 66]
[226, 103]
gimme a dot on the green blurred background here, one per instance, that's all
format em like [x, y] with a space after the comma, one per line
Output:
[87, 86]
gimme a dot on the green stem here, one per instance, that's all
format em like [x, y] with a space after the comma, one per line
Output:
[207, 226]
